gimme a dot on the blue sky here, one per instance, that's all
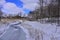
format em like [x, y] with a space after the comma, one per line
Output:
[17, 2]
[18, 6]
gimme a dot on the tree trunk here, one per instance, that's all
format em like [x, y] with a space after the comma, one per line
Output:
[0, 15]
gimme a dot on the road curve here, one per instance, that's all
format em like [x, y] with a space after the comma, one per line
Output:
[13, 33]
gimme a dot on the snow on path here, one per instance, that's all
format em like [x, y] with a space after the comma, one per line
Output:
[37, 31]
[34, 33]
[50, 32]
[18, 32]
[46, 28]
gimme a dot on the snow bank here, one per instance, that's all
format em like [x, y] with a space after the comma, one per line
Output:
[50, 32]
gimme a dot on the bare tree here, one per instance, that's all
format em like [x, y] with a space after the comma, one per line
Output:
[0, 15]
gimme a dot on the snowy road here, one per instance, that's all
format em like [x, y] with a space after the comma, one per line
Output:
[29, 30]
[13, 33]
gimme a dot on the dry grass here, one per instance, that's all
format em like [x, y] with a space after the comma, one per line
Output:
[11, 19]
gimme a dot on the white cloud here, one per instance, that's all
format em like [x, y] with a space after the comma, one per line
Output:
[2, 2]
[30, 1]
[30, 4]
[10, 8]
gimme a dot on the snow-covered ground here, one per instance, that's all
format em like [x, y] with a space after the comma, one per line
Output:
[32, 30]
[50, 32]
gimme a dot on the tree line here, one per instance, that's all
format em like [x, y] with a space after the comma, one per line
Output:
[48, 11]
